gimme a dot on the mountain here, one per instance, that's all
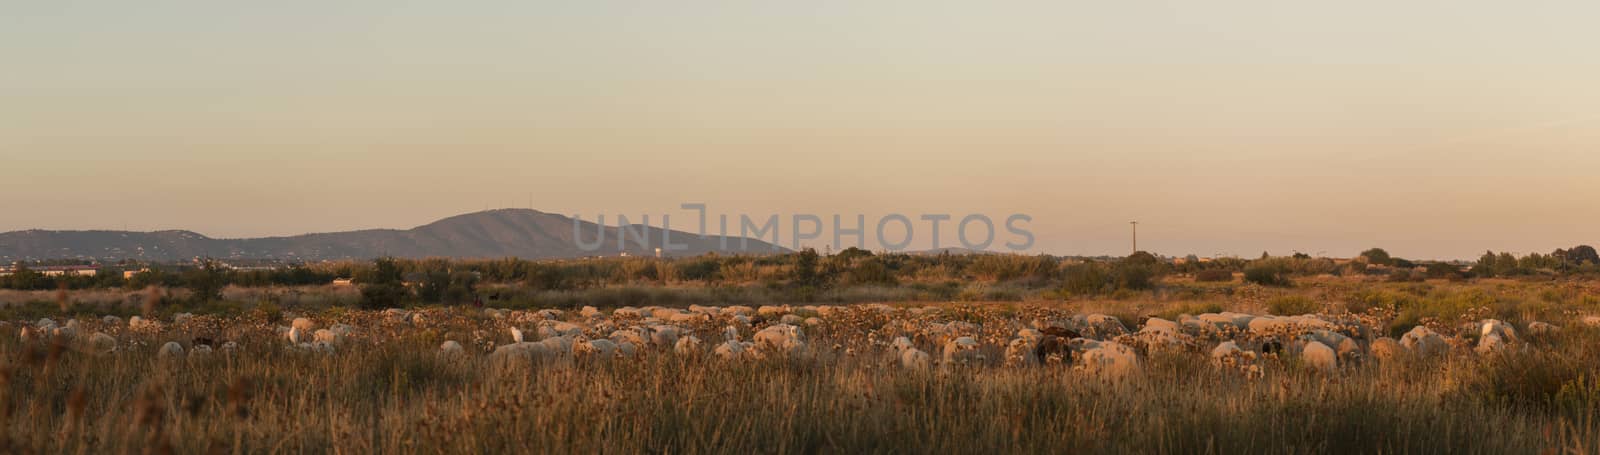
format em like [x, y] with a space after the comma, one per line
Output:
[523, 233]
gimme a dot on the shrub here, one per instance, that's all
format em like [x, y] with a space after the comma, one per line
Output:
[1213, 276]
[1266, 275]
[1083, 279]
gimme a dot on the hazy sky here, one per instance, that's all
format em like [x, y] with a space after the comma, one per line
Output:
[1431, 128]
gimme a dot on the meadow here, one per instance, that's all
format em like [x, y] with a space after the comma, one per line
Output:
[304, 369]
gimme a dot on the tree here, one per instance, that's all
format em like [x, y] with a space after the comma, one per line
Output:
[206, 281]
[805, 268]
[1582, 254]
[382, 287]
[1377, 256]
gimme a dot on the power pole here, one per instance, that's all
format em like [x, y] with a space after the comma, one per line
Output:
[1135, 225]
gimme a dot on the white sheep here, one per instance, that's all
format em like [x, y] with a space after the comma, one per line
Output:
[781, 338]
[200, 352]
[1490, 343]
[102, 343]
[1110, 359]
[1540, 328]
[1319, 357]
[327, 336]
[452, 350]
[687, 345]
[1495, 327]
[304, 324]
[1424, 342]
[962, 351]
[297, 336]
[1384, 349]
[516, 335]
[910, 357]
[170, 351]
[1020, 353]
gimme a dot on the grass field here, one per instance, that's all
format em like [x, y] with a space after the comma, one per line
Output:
[387, 388]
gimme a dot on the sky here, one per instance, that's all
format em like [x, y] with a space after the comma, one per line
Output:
[1433, 129]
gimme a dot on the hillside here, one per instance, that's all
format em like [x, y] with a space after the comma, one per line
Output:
[522, 233]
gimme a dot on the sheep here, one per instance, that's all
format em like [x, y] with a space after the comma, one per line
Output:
[102, 343]
[910, 357]
[731, 349]
[1228, 353]
[304, 324]
[1539, 328]
[1110, 359]
[792, 319]
[170, 351]
[1385, 349]
[687, 345]
[962, 351]
[200, 352]
[1424, 342]
[297, 336]
[1020, 352]
[111, 320]
[1490, 343]
[637, 336]
[1495, 327]
[182, 318]
[627, 312]
[664, 336]
[1319, 357]
[140, 324]
[327, 336]
[516, 335]
[602, 348]
[1104, 326]
[782, 338]
[813, 321]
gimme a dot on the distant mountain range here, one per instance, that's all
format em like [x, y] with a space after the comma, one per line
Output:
[522, 233]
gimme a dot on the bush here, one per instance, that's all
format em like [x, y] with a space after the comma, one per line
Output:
[1082, 279]
[1266, 275]
[1213, 276]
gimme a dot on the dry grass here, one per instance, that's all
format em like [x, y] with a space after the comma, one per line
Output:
[387, 391]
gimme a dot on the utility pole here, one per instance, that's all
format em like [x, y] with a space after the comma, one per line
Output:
[1135, 225]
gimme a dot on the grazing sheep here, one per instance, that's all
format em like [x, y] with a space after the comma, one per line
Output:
[1495, 327]
[687, 345]
[1111, 359]
[664, 336]
[1539, 328]
[297, 336]
[1385, 349]
[910, 357]
[1424, 342]
[102, 343]
[781, 338]
[626, 349]
[452, 350]
[1490, 343]
[792, 319]
[1104, 326]
[1161, 325]
[111, 320]
[200, 352]
[516, 335]
[141, 324]
[170, 351]
[327, 336]
[962, 351]
[638, 336]
[813, 321]
[731, 350]
[1021, 352]
[304, 324]
[627, 312]
[601, 348]
[1319, 357]
[1227, 353]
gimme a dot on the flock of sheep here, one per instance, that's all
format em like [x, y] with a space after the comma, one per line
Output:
[920, 339]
